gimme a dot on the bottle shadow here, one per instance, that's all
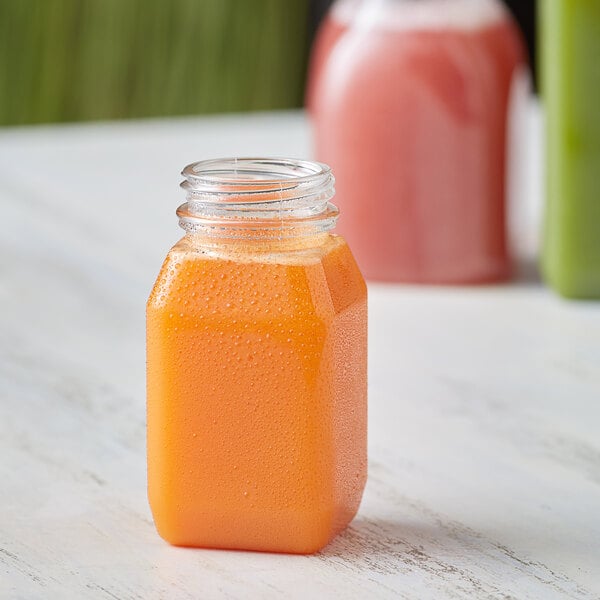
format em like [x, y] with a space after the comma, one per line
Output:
[384, 546]
[441, 549]
[528, 272]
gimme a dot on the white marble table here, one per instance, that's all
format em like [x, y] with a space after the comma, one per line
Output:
[484, 477]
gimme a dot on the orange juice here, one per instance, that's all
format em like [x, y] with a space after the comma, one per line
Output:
[256, 378]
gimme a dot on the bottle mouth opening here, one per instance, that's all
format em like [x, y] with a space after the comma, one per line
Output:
[258, 193]
[248, 175]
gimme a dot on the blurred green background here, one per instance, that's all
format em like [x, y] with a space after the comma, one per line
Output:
[77, 60]
[73, 60]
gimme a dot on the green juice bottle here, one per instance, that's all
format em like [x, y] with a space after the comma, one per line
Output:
[570, 70]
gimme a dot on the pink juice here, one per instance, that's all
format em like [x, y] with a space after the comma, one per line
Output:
[410, 109]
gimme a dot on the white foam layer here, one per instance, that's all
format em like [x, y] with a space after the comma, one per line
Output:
[466, 15]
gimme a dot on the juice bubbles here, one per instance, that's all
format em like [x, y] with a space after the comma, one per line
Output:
[571, 96]
[256, 349]
[410, 109]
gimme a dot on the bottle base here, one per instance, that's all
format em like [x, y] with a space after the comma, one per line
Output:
[303, 543]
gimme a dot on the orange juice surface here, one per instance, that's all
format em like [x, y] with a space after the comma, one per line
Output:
[256, 396]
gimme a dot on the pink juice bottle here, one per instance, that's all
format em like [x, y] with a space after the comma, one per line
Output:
[409, 101]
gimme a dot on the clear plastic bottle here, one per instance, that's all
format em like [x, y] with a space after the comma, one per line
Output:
[256, 363]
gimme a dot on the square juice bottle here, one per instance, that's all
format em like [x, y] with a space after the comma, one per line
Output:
[256, 364]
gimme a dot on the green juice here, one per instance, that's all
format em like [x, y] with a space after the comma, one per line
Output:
[570, 69]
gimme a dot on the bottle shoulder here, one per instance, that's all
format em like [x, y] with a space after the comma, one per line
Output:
[317, 281]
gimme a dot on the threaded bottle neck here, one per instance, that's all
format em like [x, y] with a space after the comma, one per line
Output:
[257, 198]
